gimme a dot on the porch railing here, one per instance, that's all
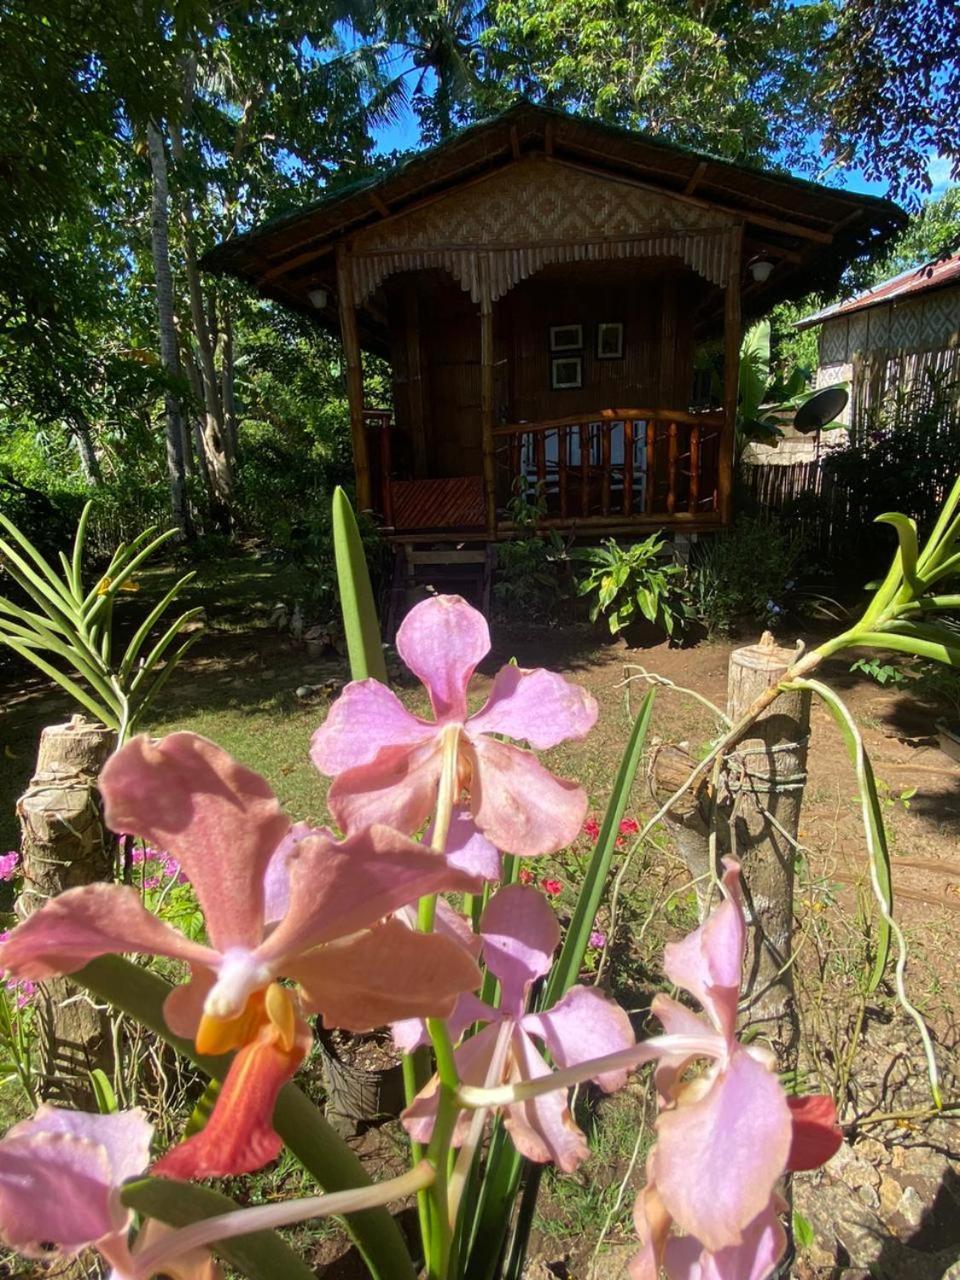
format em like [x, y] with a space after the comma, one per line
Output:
[613, 465]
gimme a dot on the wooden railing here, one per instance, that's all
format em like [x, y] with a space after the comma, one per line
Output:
[378, 425]
[613, 465]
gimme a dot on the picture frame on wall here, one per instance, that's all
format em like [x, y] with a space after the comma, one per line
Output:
[566, 373]
[566, 337]
[610, 340]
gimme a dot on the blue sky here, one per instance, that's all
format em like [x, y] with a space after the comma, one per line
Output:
[404, 134]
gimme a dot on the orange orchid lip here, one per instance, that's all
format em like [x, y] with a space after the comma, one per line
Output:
[272, 1040]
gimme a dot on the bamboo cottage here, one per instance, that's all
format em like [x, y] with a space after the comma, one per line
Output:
[551, 295]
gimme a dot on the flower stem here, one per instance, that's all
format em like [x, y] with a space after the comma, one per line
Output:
[270, 1216]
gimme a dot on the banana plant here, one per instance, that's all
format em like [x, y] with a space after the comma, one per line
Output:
[68, 635]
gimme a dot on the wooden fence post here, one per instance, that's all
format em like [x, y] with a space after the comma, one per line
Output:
[65, 844]
[763, 782]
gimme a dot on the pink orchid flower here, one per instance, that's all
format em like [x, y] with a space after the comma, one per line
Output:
[520, 934]
[328, 901]
[387, 763]
[725, 1137]
[60, 1179]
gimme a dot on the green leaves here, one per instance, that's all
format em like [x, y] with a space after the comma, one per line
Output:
[637, 580]
[360, 623]
[261, 1255]
[73, 630]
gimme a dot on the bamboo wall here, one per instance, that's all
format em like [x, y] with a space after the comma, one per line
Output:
[435, 353]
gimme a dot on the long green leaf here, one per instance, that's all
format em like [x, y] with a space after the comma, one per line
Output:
[50, 601]
[879, 858]
[70, 653]
[41, 566]
[262, 1255]
[77, 692]
[162, 645]
[360, 625]
[136, 644]
[141, 994]
[43, 620]
[79, 540]
[565, 971]
[907, 533]
[949, 655]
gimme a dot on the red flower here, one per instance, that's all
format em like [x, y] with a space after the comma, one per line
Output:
[629, 827]
[591, 828]
[526, 877]
[552, 887]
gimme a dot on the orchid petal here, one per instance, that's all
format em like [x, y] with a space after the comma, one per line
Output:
[276, 878]
[410, 1033]
[58, 1177]
[652, 1224]
[520, 934]
[383, 975]
[469, 850]
[398, 789]
[89, 921]
[218, 818]
[365, 718]
[442, 640]
[338, 888]
[58, 1169]
[517, 803]
[679, 1021]
[816, 1136]
[542, 1129]
[539, 706]
[239, 1136]
[584, 1025]
[717, 1159]
[124, 1135]
[754, 1258]
[197, 1264]
[473, 1059]
[183, 1007]
[709, 961]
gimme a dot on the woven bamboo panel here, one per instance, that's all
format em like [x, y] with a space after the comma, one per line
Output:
[452, 503]
[507, 227]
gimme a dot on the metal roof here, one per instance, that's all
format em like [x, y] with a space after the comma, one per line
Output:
[909, 283]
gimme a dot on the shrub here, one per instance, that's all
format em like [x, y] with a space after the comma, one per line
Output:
[746, 574]
[631, 583]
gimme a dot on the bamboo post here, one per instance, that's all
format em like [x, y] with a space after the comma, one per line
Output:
[763, 782]
[486, 403]
[64, 844]
[354, 368]
[731, 375]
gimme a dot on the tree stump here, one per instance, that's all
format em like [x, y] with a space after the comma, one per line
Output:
[762, 790]
[688, 819]
[65, 844]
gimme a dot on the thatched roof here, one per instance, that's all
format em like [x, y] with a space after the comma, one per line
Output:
[811, 232]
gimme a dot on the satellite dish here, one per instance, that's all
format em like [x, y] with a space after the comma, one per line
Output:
[822, 407]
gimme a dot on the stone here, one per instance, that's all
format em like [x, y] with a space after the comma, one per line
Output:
[911, 1206]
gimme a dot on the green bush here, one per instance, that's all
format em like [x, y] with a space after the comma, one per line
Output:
[746, 575]
[533, 579]
[630, 583]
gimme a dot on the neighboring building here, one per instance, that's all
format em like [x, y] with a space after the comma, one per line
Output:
[892, 339]
[528, 278]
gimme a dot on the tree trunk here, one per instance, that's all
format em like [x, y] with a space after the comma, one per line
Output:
[217, 460]
[228, 391]
[169, 354]
[65, 844]
[763, 780]
[89, 462]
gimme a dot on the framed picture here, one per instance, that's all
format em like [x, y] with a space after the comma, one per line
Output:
[566, 373]
[566, 337]
[610, 340]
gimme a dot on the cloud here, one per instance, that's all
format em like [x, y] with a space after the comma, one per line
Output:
[939, 168]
